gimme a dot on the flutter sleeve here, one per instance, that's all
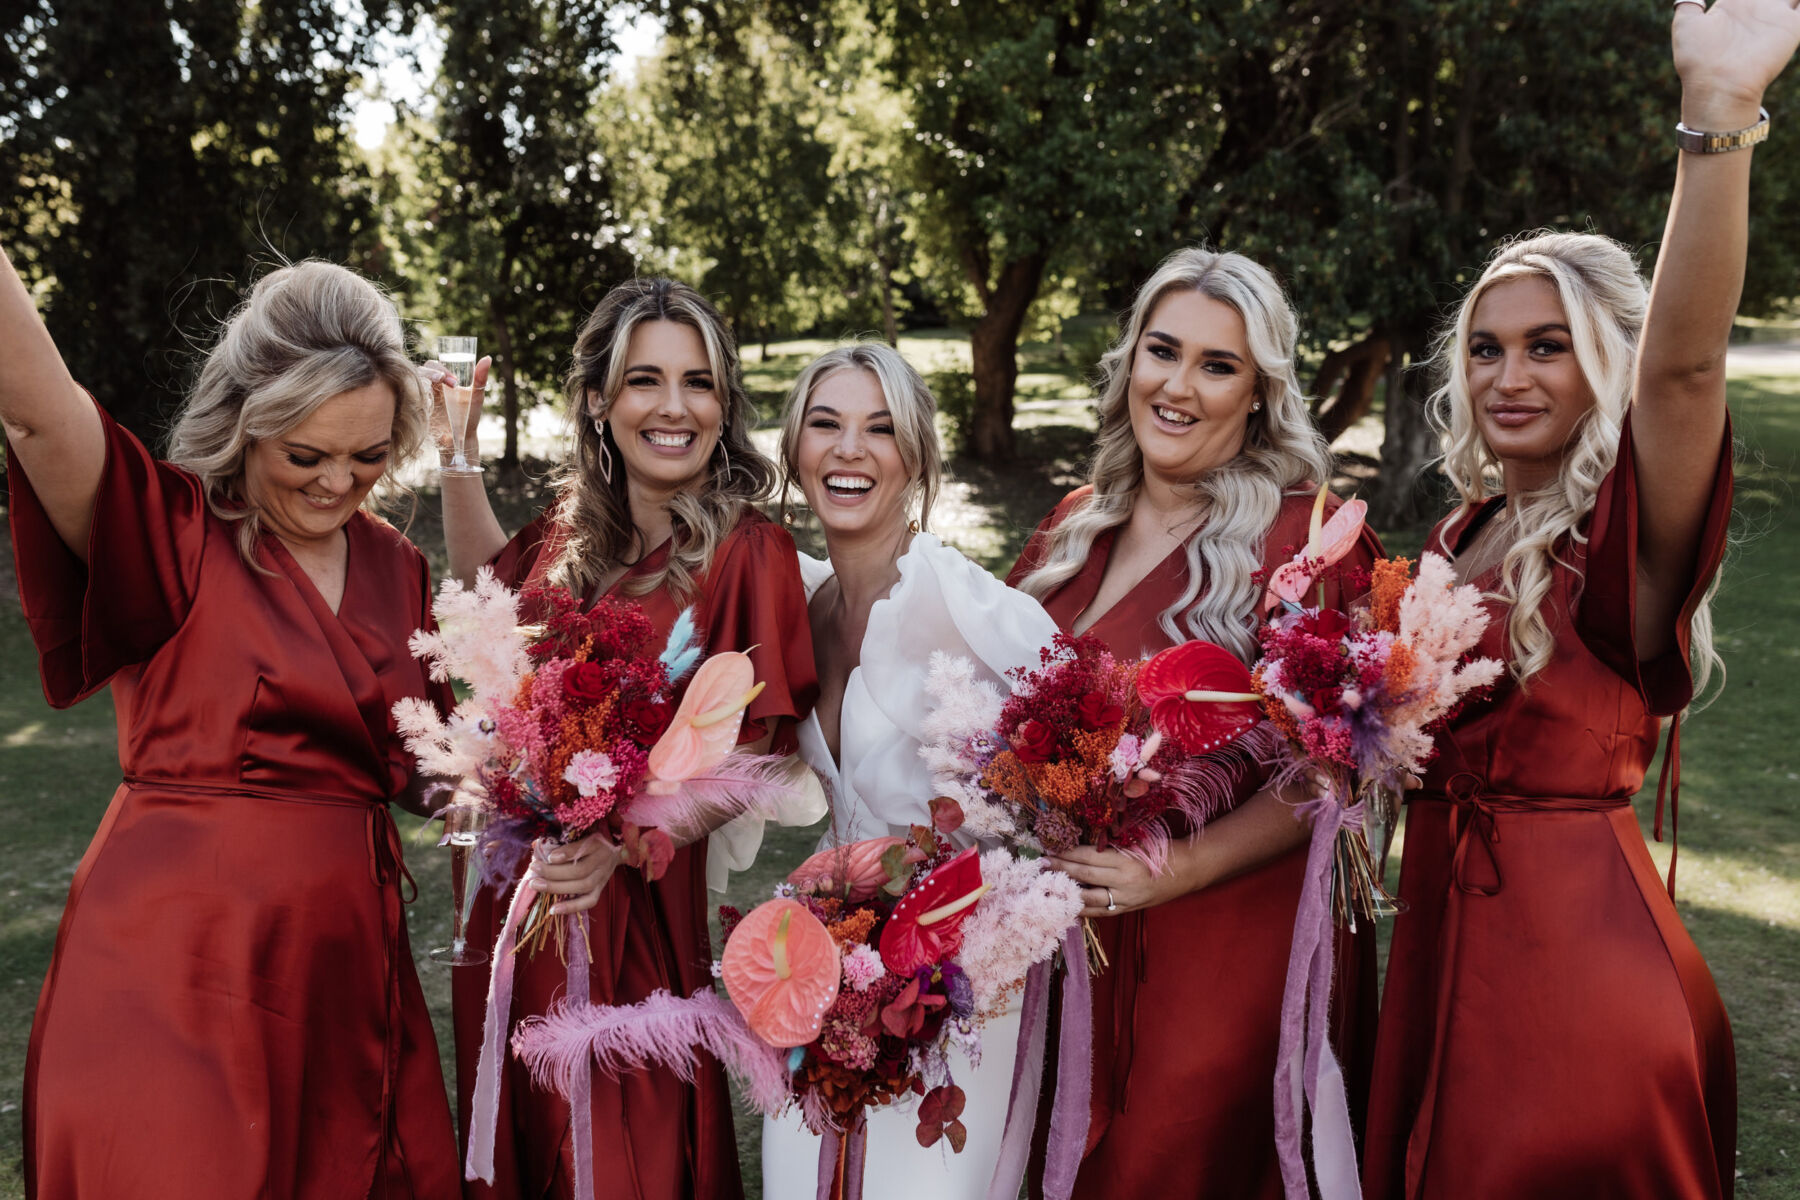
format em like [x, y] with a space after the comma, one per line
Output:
[91, 619]
[942, 604]
[1606, 612]
[519, 557]
[755, 602]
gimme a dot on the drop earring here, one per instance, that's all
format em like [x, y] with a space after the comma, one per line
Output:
[724, 453]
[605, 451]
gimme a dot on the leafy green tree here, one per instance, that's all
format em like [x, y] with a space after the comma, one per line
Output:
[522, 221]
[155, 155]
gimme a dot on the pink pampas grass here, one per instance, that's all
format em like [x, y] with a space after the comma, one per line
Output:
[741, 783]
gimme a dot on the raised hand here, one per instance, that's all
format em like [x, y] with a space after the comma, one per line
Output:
[1728, 54]
[437, 378]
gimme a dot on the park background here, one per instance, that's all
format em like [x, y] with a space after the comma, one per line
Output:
[981, 183]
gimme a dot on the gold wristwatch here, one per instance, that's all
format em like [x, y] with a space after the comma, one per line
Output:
[1695, 141]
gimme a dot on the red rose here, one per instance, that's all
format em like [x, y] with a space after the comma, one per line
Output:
[1035, 742]
[584, 683]
[1327, 623]
[1098, 711]
[648, 719]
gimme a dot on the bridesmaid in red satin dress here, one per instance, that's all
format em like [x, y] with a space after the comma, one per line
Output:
[663, 464]
[1202, 406]
[1549, 1028]
[231, 1010]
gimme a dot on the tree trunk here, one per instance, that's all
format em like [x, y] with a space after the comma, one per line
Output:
[994, 343]
[890, 327]
[509, 383]
[1407, 494]
[1344, 388]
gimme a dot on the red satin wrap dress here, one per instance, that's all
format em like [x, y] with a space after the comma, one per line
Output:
[654, 1137]
[1187, 1017]
[1548, 1027]
[232, 1009]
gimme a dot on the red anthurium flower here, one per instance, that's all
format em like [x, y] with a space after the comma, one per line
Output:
[926, 926]
[1199, 695]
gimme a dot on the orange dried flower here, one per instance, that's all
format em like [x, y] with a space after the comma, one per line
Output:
[1006, 775]
[1402, 664]
[1387, 583]
[854, 929]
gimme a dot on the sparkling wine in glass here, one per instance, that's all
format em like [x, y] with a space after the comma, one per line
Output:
[463, 823]
[458, 356]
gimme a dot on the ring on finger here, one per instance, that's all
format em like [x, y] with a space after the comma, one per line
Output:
[1111, 904]
[1699, 4]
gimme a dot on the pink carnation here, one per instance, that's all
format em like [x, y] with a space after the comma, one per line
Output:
[862, 967]
[591, 772]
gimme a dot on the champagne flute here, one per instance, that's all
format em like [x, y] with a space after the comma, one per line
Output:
[458, 356]
[463, 823]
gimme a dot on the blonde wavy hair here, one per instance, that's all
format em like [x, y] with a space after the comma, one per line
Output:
[1604, 301]
[306, 333]
[911, 407]
[597, 514]
[1282, 453]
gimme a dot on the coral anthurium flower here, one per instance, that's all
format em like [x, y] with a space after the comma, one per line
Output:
[781, 969]
[1199, 695]
[926, 926]
[1326, 543]
[854, 872]
[705, 727]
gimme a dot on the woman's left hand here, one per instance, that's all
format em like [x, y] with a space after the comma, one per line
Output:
[1114, 882]
[1727, 54]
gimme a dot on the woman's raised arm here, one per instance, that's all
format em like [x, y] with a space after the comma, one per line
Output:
[54, 430]
[1726, 56]
[472, 534]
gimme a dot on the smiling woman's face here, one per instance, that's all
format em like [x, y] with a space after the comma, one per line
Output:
[847, 459]
[1192, 384]
[306, 482]
[668, 416]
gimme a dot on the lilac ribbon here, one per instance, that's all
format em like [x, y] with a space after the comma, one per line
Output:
[1027, 1080]
[1307, 1074]
[581, 1103]
[485, 1107]
[1069, 1112]
[855, 1155]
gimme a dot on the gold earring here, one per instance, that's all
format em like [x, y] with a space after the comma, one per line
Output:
[912, 526]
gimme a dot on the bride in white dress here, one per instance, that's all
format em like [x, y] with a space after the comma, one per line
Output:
[859, 440]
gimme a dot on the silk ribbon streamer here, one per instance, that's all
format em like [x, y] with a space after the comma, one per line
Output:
[1069, 1112]
[842, 1157]
[1027, 1080]
[581, 1102]
[484, 1108]
[1307, 1075]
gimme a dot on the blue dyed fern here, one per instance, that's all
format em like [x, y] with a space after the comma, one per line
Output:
[683, 650]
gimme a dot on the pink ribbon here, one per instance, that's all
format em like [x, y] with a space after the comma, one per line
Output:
[1027, 1081]
[1069, 1112]
[484, 1111]
[853, 1143]
[581, 1103]
[1307, 1075]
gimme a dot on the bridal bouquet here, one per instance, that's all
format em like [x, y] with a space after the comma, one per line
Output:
[1093, 750]
[569, 727]
[846, 990]
[1359, 694]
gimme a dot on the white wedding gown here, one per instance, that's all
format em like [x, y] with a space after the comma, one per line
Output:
[879, 786]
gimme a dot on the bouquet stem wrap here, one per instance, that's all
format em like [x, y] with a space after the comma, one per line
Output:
[1069, 1112]
[1307, 1075]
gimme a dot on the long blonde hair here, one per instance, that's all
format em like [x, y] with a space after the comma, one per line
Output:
[1241, 499]
[307, 332]
[1604, 300]
[597, 514]
[911, 407]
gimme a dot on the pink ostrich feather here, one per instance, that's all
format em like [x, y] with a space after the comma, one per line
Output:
[662, 1030]
[742, 783]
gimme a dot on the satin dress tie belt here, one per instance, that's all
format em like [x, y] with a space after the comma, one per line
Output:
[387, 868]
[1474, 835]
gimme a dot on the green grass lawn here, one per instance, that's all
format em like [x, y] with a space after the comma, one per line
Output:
[1740, 862]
